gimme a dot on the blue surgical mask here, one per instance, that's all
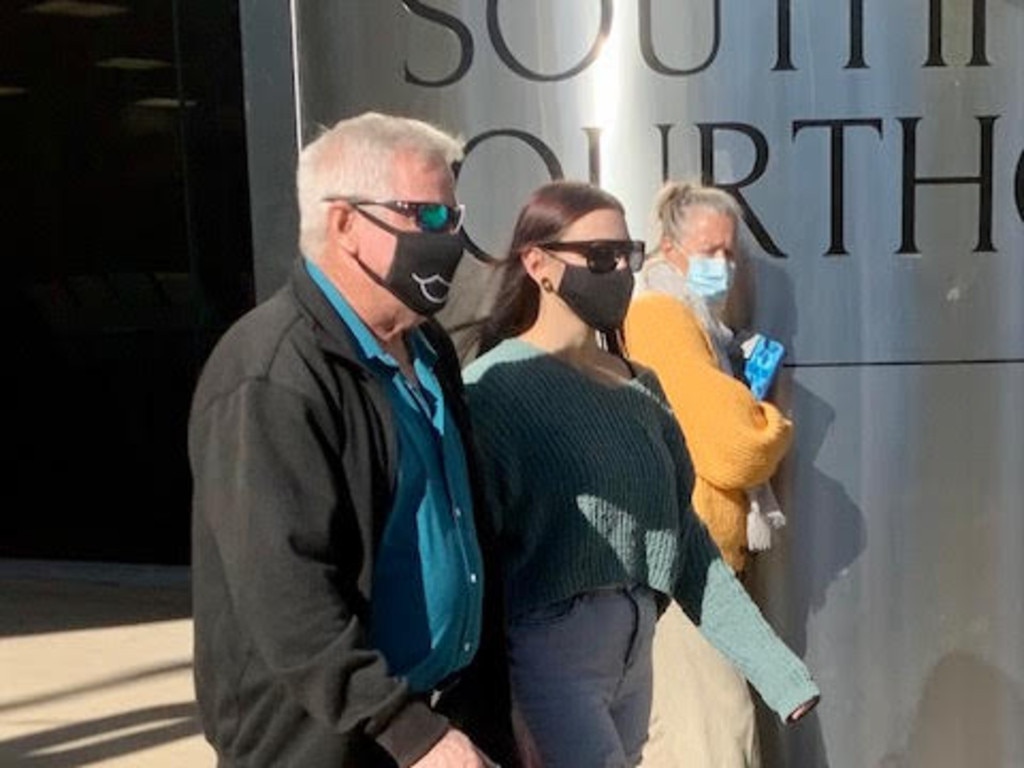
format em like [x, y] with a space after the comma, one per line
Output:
[710, 277]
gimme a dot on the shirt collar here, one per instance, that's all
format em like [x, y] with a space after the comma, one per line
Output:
[367, 345]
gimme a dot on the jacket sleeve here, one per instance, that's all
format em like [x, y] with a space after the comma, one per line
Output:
[270, 491]
[736, 441]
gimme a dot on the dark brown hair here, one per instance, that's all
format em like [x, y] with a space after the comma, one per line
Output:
[550, 210]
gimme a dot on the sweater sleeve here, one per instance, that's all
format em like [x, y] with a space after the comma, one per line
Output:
[282, 523]
[735, 440]
[709, 593]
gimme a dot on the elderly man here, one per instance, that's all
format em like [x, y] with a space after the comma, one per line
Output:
[339, 552]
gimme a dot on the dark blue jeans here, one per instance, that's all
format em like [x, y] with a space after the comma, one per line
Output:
[581, 677]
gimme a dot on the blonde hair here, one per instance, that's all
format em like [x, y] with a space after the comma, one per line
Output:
[677, 199]
[356, 157]
[674, 204]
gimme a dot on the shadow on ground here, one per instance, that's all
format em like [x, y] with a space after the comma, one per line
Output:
[90, 741]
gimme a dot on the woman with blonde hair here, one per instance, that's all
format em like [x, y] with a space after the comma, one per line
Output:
[703, 714]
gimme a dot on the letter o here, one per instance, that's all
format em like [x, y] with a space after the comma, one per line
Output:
[545, 153]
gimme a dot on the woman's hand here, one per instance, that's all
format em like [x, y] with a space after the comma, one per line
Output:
[802, 710]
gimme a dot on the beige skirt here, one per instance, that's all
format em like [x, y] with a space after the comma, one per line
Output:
[702, 713]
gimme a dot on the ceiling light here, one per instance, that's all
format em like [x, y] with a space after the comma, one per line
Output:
[77, 8]
[162, 102]
[12, 90]
[132, 63]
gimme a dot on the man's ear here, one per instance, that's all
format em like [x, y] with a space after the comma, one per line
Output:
[341, 220]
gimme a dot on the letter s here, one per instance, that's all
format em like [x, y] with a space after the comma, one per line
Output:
[461, 31]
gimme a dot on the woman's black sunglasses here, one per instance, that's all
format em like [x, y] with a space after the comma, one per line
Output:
[602, 255]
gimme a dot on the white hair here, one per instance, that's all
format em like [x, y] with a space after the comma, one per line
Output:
[357, 157]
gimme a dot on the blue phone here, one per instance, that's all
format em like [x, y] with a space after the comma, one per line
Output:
[762, 363]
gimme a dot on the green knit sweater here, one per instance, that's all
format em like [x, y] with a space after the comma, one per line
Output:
[589, 486]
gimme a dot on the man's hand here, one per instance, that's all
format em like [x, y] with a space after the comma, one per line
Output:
[454, 750]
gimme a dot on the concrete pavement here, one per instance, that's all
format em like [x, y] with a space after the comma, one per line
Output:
[96, 667]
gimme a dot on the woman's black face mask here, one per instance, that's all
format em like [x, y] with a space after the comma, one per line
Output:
[599, 299]
[599, 292]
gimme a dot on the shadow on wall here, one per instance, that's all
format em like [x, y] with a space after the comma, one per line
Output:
[40, 598]
[824, 535]
[970, 713]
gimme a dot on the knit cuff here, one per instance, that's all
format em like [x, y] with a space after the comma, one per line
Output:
[800, 691]
[412, 733]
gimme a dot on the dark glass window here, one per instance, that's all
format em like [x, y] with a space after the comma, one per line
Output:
[126, 235]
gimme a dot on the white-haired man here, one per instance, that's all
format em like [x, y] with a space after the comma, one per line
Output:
[338, 549]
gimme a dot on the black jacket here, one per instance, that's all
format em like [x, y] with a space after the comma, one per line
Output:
[293, 455]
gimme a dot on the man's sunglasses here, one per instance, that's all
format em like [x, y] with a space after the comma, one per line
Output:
[602, 255]
[429, 217]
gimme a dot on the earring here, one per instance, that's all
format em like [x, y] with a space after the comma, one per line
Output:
[546, 285]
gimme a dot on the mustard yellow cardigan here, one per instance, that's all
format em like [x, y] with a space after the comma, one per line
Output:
[735, 441]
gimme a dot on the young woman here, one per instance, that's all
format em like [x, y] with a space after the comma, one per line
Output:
[589, 482]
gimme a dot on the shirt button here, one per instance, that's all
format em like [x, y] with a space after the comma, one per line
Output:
[472, 578]
[466, 647]
[458, 512]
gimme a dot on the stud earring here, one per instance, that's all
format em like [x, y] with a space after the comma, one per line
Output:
[546, 285]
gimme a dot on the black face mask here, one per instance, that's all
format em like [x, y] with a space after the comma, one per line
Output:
[599, 299]
[421, 272]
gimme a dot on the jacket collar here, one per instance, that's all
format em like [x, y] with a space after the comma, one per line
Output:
[330, 330]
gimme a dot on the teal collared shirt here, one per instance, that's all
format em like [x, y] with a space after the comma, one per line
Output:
[428, 577]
